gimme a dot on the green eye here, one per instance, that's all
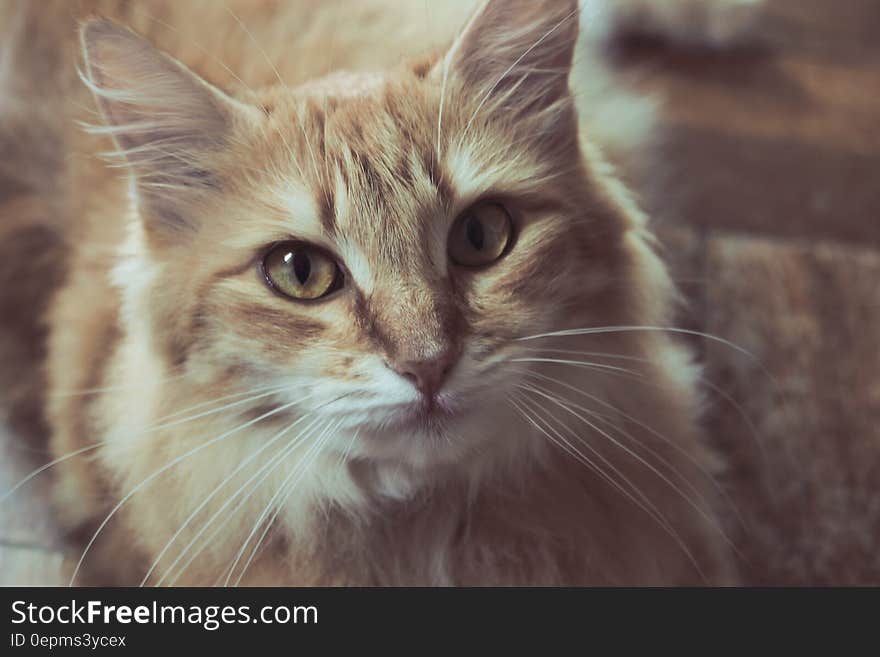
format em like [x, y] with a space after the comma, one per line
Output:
[301, 271]
[480, 236]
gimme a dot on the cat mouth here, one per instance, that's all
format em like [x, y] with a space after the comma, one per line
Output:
[429, 414]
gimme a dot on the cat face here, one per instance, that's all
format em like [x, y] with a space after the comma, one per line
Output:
[373, 247]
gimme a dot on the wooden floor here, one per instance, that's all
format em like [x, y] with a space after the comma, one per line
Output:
[771, 219]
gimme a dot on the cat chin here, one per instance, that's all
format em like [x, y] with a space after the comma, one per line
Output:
[423, 437]
[415, 464]
[416, 448]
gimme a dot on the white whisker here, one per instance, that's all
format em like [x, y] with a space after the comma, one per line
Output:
[634, 376]
[158, 472]
[348, 449]
[580, 352]
[643, 503]
[568, 406]
[304, 466]
[570, 449]
[214, 492]
[578, 363]
[267, 510]
[95, 391]
[93, 446]
[262, 391]
[268, 468]
[623, 329]
[48, 465]
[671, 443]
[263, 473]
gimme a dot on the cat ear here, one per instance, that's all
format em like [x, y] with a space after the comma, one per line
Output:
[517, 49]
[167, 122]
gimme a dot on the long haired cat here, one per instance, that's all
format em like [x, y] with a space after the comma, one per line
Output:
[347, 305]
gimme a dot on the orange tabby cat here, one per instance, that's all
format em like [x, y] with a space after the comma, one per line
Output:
[349, 306]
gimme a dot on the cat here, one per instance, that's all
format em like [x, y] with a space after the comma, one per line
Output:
[358, 299]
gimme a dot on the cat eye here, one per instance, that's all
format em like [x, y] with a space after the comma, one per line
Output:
[481, 235]
[301, 271]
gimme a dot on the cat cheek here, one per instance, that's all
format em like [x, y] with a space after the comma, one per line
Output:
[344, 369]
[517, 292]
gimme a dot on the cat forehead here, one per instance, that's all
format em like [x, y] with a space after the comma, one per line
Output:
[392, 144]
[368, 168]
[346, 117]
[365, 151]
[344, 85]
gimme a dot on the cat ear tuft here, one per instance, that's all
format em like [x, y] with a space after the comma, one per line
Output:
[518, 53]
[165, 120]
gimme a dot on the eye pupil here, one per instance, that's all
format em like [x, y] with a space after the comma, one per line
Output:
[301, 271]
[475, 233]
[302, 267]
[480, 235]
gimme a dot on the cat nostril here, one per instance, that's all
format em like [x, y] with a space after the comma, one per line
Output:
[418, 379]
[426, 376]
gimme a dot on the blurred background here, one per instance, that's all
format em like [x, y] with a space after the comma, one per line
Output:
[765, 190]
[769, 212]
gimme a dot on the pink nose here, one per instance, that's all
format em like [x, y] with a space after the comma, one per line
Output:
[428, 376]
